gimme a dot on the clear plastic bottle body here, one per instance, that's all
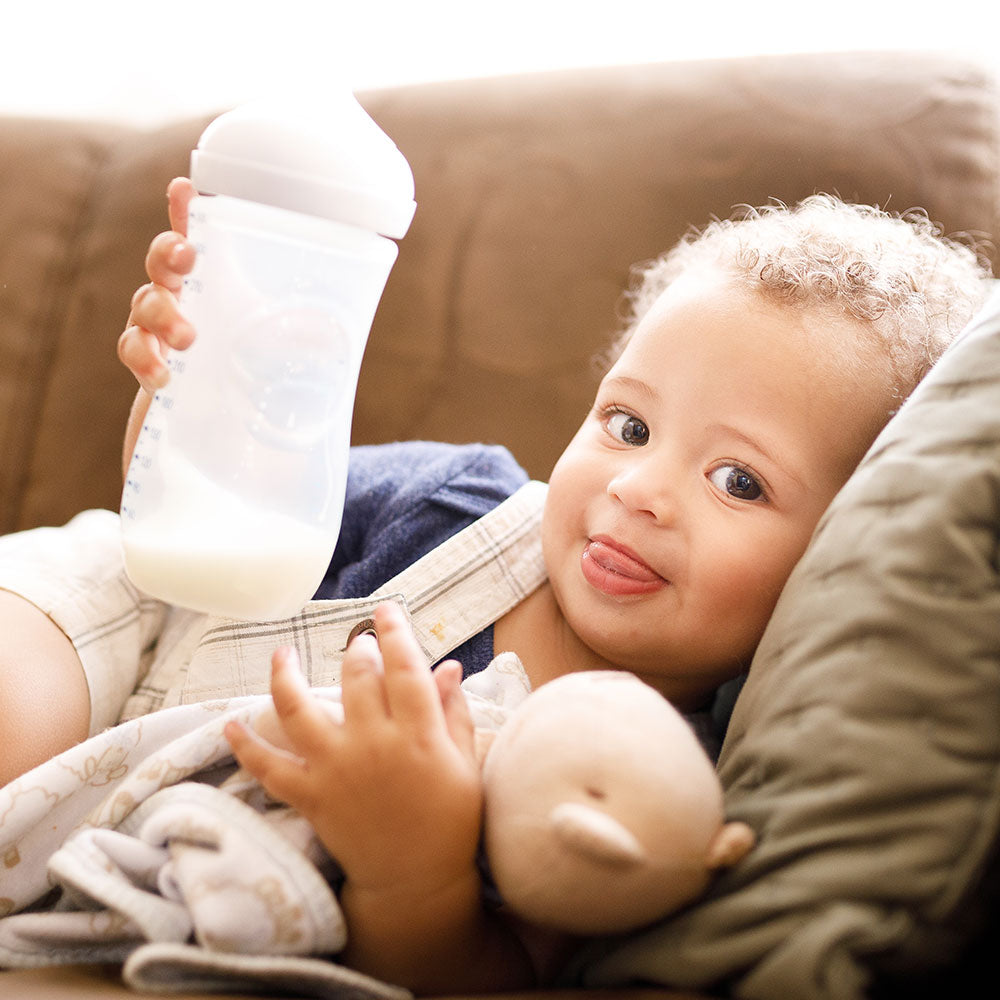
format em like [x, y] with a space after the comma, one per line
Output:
[234, 495]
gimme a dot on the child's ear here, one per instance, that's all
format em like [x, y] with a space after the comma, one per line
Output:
[732, 843]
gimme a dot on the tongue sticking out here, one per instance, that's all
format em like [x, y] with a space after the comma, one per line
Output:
[616, 572]
[614, 560]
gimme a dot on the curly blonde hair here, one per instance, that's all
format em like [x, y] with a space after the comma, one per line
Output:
[913, 288]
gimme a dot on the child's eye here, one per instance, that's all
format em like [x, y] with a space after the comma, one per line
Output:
[626, 428]
[736, 482]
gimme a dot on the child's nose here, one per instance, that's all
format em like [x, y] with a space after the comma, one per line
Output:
[645, 486]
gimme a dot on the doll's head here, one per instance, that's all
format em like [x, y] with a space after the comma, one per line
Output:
[603, 812]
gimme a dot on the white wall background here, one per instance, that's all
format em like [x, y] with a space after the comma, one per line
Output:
[150, 61]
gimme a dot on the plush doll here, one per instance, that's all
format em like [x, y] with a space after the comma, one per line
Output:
[603, 811]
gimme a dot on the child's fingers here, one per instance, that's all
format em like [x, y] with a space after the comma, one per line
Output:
[458, 719]
[306, 723]
[170, 257]
[410, 690]
[277, 770]
[363, 683]
[141, 352]
[155, 309]
[180, 191]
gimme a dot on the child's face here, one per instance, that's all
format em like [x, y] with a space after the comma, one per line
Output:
[681, 505]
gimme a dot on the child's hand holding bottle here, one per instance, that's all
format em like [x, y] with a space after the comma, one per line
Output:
[155, 324]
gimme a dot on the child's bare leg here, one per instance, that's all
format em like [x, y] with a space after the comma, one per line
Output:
[44, 698]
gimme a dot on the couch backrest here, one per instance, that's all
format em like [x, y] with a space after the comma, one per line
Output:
[536, 194]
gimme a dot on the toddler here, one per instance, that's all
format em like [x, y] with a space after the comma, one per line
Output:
[761, 359]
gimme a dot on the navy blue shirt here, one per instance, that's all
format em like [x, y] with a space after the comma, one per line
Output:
[403, 500]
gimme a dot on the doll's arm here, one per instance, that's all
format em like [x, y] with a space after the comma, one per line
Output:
[395, 795]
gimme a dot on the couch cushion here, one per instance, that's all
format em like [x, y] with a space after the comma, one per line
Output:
[865, 747]
[80, 202]
[82, 409]
[47, 171]
[537, 192]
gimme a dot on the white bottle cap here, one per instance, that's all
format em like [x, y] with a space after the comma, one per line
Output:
[334, 162]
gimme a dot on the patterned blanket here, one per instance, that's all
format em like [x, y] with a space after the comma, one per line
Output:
[146, 845]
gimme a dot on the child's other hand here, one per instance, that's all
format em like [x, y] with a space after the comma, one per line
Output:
[394, 792]
[155, 324]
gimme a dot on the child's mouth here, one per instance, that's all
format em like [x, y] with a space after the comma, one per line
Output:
[616, 571]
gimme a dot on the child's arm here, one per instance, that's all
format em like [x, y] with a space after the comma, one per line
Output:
[155, 324]
[395, 795]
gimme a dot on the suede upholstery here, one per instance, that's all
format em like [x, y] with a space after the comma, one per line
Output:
[535, 195]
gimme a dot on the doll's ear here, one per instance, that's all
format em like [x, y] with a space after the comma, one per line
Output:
[732, 843]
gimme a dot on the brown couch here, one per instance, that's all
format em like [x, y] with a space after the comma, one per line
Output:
[535, 195]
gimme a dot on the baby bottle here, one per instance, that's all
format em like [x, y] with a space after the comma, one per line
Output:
[235, 491]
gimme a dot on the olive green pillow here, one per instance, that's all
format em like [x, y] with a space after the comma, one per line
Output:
[865, 746]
